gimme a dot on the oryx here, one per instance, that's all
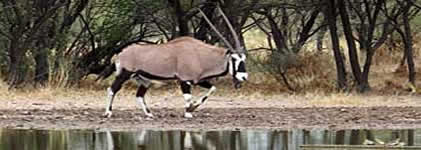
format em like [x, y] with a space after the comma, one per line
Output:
[188, 60]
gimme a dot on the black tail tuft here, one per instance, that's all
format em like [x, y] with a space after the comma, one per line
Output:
[108, 71]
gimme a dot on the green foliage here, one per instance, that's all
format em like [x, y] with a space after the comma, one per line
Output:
[76, 48]
[115, 20]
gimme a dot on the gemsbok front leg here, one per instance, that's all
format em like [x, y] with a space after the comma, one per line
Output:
[186, 89]
[140, 98]
[207, 85]
[112, 91]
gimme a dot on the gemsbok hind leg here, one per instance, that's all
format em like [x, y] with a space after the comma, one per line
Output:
[140, 98]
[207, 85]
[115, 87]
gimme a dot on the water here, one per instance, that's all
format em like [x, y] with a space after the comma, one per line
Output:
[201, 140]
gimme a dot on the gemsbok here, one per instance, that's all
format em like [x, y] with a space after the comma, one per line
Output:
[188, 60]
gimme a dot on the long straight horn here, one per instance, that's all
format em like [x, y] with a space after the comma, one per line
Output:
[236, 39]
[217, 32]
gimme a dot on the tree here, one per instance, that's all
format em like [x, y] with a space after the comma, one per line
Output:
[352, 50]
[406, 36]
[331, 14]
[399, 13]
[27, 23]
[289, 27]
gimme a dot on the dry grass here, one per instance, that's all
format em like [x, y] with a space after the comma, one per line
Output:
[170, 96]
[357, 100]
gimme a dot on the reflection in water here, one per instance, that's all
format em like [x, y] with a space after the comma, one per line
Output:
[199, 140]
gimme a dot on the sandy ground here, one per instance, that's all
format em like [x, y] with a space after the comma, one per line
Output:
[231, 113]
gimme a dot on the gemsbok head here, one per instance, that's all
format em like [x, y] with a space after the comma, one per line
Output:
[188, 60]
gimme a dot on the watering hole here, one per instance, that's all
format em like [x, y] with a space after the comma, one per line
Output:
[294, 139]
[215, 128]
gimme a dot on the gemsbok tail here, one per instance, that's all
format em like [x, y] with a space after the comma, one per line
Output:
[107, 72]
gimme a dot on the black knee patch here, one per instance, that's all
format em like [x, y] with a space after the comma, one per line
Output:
[141, 91]
[185, 88]
[190, 109]
[120, 79]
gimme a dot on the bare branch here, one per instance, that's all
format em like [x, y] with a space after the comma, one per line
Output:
[253, 24]
[260, 49]
[414, 4]
[92, 36]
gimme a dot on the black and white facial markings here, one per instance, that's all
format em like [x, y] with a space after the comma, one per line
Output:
[237, 67]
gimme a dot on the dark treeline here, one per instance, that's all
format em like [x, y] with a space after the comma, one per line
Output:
[59, 42]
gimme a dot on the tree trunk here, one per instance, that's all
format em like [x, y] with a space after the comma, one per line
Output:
[183, 28]
[305, 31]
[277, 35]
[320, 37]
[364, 85]
[340, 67]
[352, 50]
[42, 71]
[17, 66]
[368, 40]
[40, 52]
[408, 44]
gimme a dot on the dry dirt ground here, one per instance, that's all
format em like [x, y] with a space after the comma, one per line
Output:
[230, 113]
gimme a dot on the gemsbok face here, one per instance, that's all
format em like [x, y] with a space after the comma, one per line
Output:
[185, 59]
[237, 68]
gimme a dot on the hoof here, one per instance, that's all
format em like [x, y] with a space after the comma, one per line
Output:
[192, 107]
[188, 115]
[149, 115]
[108, 114]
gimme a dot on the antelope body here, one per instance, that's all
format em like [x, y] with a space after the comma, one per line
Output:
[188, 60]
[184, 58]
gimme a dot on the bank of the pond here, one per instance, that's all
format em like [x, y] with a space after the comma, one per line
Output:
[369, 112]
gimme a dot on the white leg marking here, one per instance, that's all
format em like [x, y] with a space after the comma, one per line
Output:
[187, 99]
[188, 115]
[108, 111]
[203, 98]
[230, 67]
[212, 89]
[117, 67]
[142, 104]
[188, 104]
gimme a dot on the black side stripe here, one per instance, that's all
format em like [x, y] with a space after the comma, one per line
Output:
[153, 77]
